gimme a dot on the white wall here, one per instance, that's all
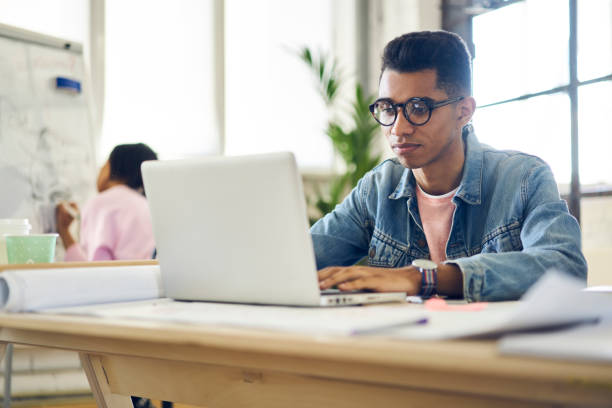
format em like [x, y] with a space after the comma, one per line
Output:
[389, 19]
[596, 223]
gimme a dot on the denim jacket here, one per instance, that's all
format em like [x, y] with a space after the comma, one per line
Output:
[509, 226]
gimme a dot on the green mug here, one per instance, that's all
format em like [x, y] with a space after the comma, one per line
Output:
[33, 248]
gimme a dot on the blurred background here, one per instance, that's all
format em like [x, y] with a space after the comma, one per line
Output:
[201, 77]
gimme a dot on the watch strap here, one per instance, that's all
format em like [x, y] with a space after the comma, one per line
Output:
[429, 282]
[429, 277]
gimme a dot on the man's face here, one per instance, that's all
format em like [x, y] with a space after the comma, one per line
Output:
[421, 146]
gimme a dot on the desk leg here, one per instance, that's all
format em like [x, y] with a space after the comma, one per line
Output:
[99, 384]
[6, 352]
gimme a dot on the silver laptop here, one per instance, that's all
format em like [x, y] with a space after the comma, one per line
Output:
[234, 229]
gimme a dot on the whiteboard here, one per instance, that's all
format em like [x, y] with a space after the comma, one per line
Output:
[47, 143]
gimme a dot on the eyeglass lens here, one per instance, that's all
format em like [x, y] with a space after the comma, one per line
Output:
[417, 112]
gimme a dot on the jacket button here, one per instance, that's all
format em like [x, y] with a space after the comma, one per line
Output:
[421, 243]
[372, 252]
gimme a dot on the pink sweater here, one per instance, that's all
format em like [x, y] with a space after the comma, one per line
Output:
[115, 224]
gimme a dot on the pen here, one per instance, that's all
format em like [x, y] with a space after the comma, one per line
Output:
[399, 325]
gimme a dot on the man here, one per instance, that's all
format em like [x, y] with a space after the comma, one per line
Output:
[448, 215]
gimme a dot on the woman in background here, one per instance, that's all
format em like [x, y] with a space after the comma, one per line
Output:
[116, 223]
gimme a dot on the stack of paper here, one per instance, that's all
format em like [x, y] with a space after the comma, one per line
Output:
[555, 301]
[312, 320]
[592, 342]
[587, 342]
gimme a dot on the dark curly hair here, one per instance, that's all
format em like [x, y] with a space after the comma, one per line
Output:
[125, 161]
[442, 51]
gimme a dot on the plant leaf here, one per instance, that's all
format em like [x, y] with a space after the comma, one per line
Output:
[354, 145]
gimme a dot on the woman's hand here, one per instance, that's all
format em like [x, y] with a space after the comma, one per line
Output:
[65, 214]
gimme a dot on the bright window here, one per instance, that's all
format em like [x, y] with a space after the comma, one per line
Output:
[516, 53]
[159, 77]
[271, 98]
[594, 38]
[523, 49]
[538, 126]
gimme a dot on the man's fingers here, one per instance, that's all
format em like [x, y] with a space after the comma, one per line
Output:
[365, 282]
[334, 270]
[340, 275]
[327, 272]
[381, 283]
[356, 284]
[365, 277]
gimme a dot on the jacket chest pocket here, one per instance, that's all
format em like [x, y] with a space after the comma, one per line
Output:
[504, 239]
[385, 251]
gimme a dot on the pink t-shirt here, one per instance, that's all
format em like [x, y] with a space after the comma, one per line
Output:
[437, 216]
[115, 224]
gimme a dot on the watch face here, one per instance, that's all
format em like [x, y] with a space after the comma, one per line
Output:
[424, 263]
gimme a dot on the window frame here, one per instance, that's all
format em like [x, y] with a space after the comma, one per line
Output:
[457, 16]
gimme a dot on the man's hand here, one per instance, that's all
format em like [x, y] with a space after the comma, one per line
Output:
[406, 279]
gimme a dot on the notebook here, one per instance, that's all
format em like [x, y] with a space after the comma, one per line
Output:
[234, 229]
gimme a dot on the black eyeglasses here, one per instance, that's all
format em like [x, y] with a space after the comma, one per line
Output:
[416, 110]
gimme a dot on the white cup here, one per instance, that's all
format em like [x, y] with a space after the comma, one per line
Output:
[11, 226]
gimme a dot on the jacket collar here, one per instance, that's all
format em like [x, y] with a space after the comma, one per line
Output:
[470, 187]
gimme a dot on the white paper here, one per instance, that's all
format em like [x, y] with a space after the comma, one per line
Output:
[602, 289]
[588, 342]
[322, 320]
[555, 300]
[37, 289]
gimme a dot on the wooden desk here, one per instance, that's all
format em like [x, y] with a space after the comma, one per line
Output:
[222, 367]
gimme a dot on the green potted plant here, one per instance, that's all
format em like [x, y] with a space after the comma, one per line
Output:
[355, 144]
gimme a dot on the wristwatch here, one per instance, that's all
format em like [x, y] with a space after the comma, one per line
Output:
[429, 276]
